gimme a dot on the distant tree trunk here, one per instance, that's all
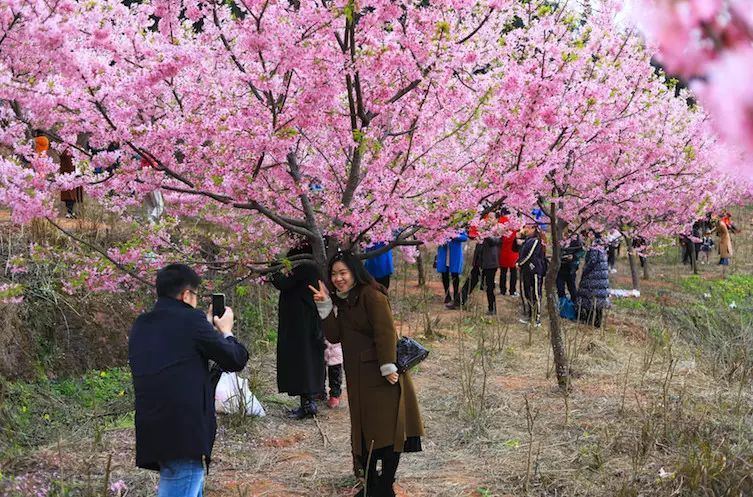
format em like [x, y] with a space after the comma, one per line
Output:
[693, 258]
[562, 369]
[420, 268]
[633, 264]
[646, 271]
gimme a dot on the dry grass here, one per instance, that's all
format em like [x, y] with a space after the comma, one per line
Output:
[639, 397]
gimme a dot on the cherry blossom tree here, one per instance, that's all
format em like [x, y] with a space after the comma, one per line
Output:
[599, 135]
[259, 117]
[709, 44]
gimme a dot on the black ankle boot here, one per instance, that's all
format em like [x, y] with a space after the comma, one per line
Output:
[308, 409]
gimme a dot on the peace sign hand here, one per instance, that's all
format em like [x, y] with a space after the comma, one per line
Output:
[321, 294]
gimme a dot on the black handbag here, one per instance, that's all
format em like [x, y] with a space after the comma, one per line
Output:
[409, 353]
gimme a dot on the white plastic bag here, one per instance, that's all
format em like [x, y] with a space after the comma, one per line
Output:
[233, 396]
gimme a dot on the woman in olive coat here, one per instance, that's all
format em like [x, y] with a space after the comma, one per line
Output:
[384, 414]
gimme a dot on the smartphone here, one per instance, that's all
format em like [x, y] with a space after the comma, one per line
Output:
[218, 304]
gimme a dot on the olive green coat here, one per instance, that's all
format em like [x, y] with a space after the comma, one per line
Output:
[380, 412]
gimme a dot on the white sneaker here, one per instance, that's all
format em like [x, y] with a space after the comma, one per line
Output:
[514, 294]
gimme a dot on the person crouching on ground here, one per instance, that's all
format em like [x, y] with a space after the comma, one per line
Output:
[169, 349]
[384, 415]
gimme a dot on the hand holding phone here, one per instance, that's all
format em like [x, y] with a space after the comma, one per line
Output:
[218, 304]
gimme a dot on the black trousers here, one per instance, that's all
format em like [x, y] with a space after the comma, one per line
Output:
[335, 377]
[503, 288]
[69, 205]
[469, 285]
[611, 256]
[566, 278]
[491, 299]
[592, 316]
[531, 295]
[377, 484]
[455, 287]
[385, 282]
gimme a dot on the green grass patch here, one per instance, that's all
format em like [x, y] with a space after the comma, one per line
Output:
[35, 413]
[733, 288]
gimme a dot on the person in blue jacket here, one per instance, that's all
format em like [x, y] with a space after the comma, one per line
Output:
[381, 266]
[450, 265]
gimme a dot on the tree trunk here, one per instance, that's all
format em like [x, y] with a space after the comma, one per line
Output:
[646, 271]
[633, 265]
[420, 268]
[562, 369]
[693, 258]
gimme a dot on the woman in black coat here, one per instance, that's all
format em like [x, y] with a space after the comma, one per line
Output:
[593, 292]
[300, 343]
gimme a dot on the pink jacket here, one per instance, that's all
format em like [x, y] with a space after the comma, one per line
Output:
[333, 354]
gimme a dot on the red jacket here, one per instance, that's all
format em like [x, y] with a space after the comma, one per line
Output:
[507, 256]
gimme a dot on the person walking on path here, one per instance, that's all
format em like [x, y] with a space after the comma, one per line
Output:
[593, 293]
[169, 349]
[300, 343]
[450, 265]
[384, 414]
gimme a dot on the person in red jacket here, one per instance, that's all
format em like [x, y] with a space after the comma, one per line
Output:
[508, 258]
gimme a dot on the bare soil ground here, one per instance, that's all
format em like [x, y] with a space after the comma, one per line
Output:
[481, 440]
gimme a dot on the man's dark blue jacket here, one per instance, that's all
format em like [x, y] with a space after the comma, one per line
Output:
[168, 350]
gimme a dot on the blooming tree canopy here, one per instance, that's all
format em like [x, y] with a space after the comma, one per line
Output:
[708, 43]
[362, 121]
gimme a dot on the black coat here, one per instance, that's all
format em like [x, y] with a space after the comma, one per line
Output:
[594, 282]
[571, 255]
[168, 351]
[300, 342]
[532, 259]
[490, 253]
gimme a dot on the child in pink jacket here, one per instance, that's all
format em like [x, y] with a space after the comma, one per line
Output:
[333, 357]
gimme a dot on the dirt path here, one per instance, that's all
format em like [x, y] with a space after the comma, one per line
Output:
[479, 441]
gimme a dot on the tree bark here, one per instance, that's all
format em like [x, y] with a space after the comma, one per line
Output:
[562, 369]
[633, 266]
[646, 271]
[693, 258]
[420, 268]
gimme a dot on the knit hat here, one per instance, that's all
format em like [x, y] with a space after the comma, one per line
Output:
[41, 144]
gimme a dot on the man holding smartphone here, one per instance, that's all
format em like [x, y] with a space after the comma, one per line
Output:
[168, 350]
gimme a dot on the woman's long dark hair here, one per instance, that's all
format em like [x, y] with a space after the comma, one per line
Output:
[361, 277]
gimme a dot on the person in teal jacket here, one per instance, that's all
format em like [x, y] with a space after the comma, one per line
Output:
[450, 265]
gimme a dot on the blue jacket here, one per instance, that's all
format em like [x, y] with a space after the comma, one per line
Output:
[455, 246]
[168, 350]
[381, 265]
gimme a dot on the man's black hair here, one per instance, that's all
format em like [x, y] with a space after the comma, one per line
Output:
[174, 279]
